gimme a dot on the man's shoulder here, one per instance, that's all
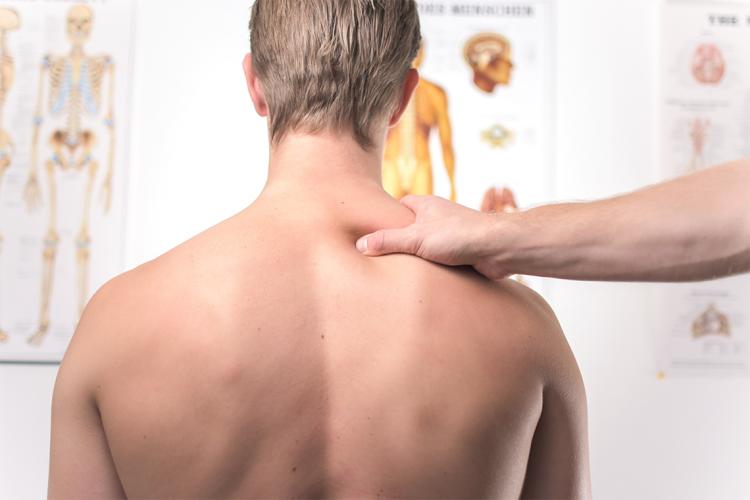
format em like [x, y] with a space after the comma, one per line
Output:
[131, 322]
[542, 339]
[508, 317]
[109, 325]
[507, 298]
[160, 291]
[521, 308]
[170, 275]
[469, 291]
[120, 307]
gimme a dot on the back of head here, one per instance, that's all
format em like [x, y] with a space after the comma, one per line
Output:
[333, 64]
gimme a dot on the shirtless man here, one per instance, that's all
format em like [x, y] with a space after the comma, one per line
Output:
[267, 358]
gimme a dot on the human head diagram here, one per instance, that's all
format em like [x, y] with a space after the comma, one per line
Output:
[490, 57]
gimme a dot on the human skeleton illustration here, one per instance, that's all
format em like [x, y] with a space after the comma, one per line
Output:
[9, 21]
[712, 322]
[407, 166]
[76, 83]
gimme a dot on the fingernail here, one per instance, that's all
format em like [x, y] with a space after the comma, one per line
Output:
[362, 245]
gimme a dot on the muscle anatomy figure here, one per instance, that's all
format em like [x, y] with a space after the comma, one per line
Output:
[75, 83]
[699, 129]
[9, 21]
[407, 167]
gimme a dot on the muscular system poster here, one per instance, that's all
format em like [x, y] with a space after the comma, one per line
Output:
[64, 92]
[705, 121]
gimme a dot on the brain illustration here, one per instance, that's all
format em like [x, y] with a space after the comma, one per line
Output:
[708, 64]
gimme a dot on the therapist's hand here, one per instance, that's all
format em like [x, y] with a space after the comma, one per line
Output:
[444, 233]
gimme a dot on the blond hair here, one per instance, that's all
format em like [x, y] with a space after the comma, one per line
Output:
[333, 64]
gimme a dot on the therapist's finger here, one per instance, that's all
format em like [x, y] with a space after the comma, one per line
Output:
[390, 241]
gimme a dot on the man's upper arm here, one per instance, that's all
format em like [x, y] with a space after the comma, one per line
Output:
[559, 458]
[81, 464]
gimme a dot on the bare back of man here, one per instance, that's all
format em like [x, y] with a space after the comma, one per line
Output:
[266, 358]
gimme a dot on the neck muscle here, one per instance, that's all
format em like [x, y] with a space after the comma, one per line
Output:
[309, 160]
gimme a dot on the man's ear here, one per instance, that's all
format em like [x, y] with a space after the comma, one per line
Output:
[410, 84]
[253, 85]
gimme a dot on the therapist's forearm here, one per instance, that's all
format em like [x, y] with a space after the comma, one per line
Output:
[691, 229]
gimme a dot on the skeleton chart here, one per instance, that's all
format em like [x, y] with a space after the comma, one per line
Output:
[63, 141]
[705, 121]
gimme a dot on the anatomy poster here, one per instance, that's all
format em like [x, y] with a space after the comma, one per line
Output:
[481, 114]
[705, 121]
[64, 103]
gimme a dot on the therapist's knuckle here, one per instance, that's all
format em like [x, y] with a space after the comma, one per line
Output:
[418, 242]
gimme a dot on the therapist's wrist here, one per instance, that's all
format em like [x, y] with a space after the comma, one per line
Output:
[500, 245]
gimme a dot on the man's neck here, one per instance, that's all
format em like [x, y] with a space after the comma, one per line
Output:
[335, 179]
[311, 161]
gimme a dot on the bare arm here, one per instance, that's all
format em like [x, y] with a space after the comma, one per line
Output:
[558, 465]
[690, 229]
[81, 464]
[559, 459]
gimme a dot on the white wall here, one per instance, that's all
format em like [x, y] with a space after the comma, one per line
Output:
[676, 439]
[198, 157]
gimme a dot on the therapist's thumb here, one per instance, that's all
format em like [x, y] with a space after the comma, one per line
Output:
[389, 242]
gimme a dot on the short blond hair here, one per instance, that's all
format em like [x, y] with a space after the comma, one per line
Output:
[333, 64]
